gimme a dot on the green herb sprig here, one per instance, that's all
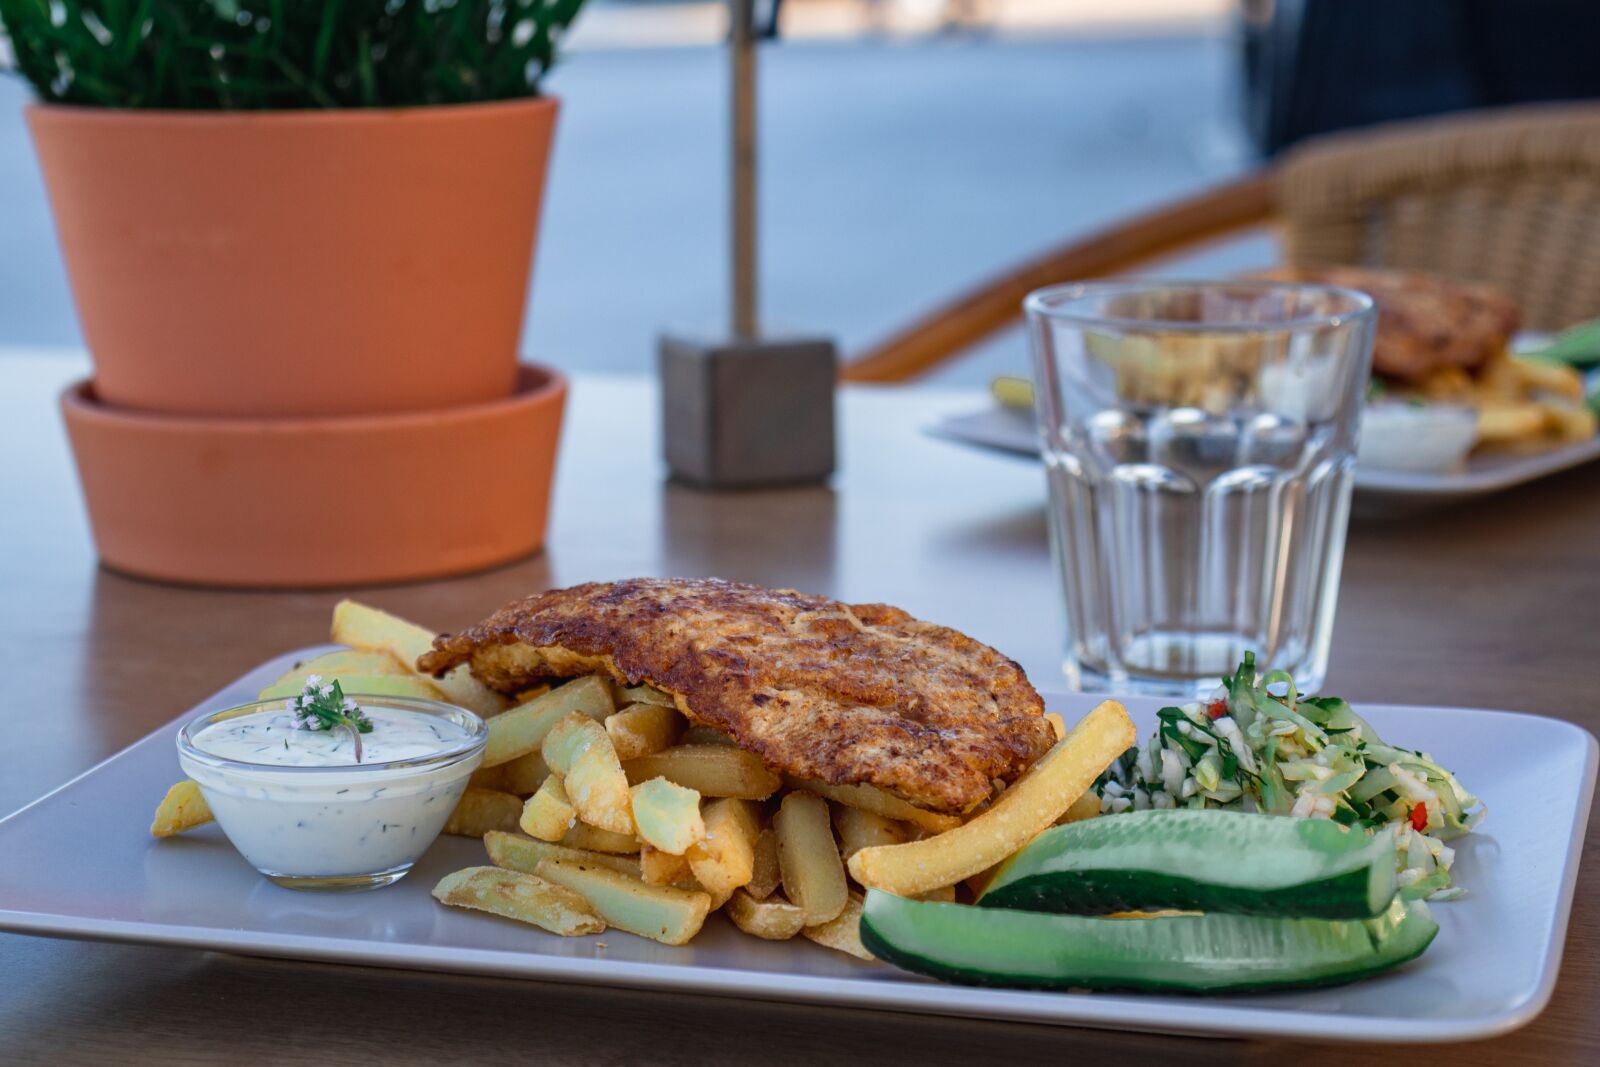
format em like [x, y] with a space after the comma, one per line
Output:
[323, 706]
[232, 55]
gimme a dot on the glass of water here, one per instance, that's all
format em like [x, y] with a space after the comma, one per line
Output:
[1200, 441]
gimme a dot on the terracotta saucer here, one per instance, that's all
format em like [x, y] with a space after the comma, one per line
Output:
[274, 503]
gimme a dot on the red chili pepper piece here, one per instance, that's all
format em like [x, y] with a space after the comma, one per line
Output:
[1217, 709]
[1419, 818]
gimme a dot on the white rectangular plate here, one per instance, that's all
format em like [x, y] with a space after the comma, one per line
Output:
[1012, 431]
[81, 863]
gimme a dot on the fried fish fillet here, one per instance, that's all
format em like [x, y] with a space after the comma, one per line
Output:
[845, 693]
[1425, 322]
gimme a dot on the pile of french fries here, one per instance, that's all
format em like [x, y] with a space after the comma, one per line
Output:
[601, 805]
[1523, 405]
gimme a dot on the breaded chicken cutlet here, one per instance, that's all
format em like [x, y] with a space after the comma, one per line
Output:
[844, 693]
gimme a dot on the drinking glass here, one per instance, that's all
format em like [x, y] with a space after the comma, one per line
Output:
[1199, 440]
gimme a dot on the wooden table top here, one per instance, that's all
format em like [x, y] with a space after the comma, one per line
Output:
[1495, 604]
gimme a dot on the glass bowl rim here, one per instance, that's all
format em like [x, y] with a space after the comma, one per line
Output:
[1054, 302]
[474, 744]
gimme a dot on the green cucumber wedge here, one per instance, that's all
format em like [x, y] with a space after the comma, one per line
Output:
[1201, 860]
[1186, 954]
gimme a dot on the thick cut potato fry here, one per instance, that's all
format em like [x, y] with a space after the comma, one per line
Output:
[360, 626]
[518, 853]
[489, 778]
[667, 815]
[648, 694]
[724, 859]
[1569, 423]
[524, 775]
[766, 876]
[944, 895]
[842, 934]
[701, 734]
[1031, 805]
[663, 868]
[659, 912]
[482, 810]
[1508, 422]
[643, 729]
[373, 671]
[1057, 723]
[592, 838]
[183, 808]
[773, 919]
[524, 897]
[813, 874]
[579, 749]
[859, 829]
[1085, 807]
[710, 770]
[523, 729]
[1553, 378]
[548, 814]
[871, 798]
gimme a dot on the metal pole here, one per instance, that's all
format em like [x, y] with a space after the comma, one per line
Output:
[744, 300]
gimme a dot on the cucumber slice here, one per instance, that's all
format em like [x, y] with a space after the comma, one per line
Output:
[1201, 860]
[1186, 954]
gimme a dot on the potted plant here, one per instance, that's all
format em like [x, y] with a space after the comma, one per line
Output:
[299, 237]
[289, 209]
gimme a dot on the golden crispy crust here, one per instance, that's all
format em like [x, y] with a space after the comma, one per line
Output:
[845, 693]
[1425, 322]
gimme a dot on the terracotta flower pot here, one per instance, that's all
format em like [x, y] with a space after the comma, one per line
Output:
[298, 262]
[318, 501]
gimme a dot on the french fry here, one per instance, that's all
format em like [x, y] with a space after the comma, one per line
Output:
[523, 729]
[360, 626]
[548, 814]
[1508, 422]
[659, 912]
[643, 729]
[482, 810]
[1057, 723]
[870, 798]
[1569, 423]
[772, 919]
[701, 734]
[710, 770]
[516, 852]
[524, 897]
[765, 876]
[944, 895]
[183, 808]
[579, 749]
[859, 829]
[663, 868]
[667, 815]
[648, 694]
[1085, 807]
[1554, 378]
[724, 859]
[593, 839]
[489, 778]
[813, 874]
[523, 775]
[842, 934]
[1031, 805]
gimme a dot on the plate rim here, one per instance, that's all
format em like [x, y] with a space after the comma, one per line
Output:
[1412, 485]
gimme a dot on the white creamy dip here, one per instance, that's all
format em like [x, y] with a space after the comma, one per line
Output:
[300, 809]
[271, 737]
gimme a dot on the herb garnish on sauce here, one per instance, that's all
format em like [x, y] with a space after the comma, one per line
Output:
[325, 707]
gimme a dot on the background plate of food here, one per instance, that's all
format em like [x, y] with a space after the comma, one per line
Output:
[1460, 404]
[1377, 905]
